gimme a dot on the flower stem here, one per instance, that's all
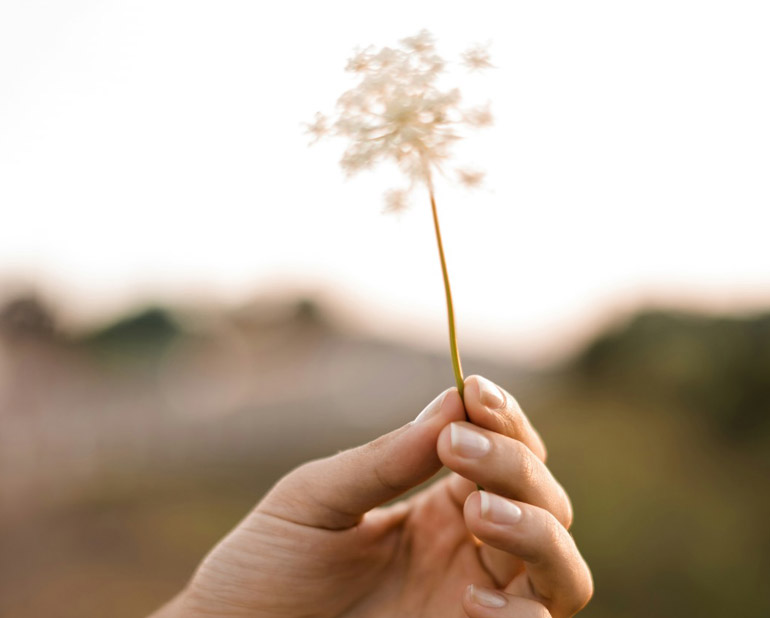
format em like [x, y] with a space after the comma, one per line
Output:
[457, 367]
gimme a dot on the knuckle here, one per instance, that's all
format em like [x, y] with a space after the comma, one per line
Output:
[380, 467]
[367, 452]
[582, 588]
[513, 417]
[514, 408]
[553, 531]
[543, 451]
[579, 601]
[575, 603]
[526, 464]
[587, 588]
[385, 480]
[568, 513]
[299, 479]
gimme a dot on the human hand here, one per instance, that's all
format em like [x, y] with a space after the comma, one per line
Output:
[319, 544]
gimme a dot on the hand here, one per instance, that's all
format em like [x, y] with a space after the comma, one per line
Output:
[317, 545]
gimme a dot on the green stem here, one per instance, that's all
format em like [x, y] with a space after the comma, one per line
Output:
[457, 367]
[454, 352]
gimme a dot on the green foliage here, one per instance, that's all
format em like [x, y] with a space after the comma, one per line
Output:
[716, 368]
[135, 339]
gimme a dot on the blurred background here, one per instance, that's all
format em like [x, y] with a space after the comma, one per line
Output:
[192, 302]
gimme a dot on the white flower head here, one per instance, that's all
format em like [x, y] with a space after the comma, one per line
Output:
[421, 42]
[398, 112]
[396, 200]
[470, 178]
[479, 116]
[359, 63]
[477, 58]
[318, 128]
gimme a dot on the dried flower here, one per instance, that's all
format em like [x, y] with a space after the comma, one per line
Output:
[477, 58]
[398, 112]
[396, 200]
[479, 116]
[318, 128]
[470, 178]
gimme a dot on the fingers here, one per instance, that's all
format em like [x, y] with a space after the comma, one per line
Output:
[492, 408]
[555, 573]
[504, 466]
[335, 492]
[484, 603]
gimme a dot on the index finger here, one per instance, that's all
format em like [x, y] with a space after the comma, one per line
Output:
[491, 407]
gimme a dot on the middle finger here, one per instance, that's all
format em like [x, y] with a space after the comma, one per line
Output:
[503, 466]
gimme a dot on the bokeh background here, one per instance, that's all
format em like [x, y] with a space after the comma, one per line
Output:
[192, 302]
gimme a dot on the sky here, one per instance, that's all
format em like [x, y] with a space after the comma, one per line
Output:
[156, 150]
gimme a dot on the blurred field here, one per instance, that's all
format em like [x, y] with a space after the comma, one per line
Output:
[126, 453]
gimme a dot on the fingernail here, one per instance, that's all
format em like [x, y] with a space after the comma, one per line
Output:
[467, 442]
[487, 598]
[489, 394]
[499, 510]
[431, 409]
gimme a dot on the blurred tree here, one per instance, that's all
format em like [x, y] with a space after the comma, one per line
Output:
[718, 368]
[135, 338]
[26, 317]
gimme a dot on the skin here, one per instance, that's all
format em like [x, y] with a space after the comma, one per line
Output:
[319, 544]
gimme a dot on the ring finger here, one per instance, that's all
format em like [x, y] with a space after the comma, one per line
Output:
[555, 573]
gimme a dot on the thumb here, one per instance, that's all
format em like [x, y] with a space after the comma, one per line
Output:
[335, 492]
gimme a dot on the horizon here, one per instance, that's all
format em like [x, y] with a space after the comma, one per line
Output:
[539, 352]
[157, 151]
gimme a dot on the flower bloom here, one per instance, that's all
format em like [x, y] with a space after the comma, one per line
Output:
[470, 178]
[397, 111]
[477, 58]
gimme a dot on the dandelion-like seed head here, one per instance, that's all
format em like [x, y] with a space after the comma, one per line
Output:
[398, 111]
[396, 200]
[318, 128]
[480, 116]
[470, 178]
[477, 58]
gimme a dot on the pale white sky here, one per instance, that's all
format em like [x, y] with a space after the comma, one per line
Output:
[155, 149]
